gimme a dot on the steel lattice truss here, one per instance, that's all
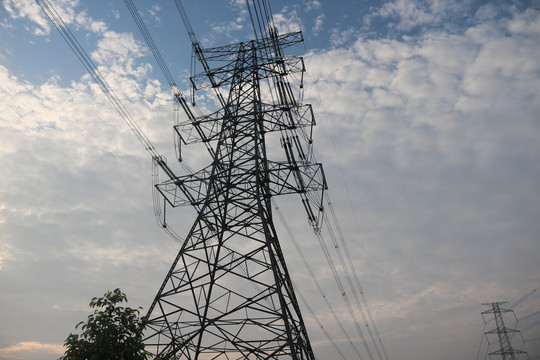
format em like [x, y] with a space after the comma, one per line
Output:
[228, 294]
[506, 351]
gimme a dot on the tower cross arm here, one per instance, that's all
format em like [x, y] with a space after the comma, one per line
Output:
[307, 180]
[496, 331]
[186, 190]
[270, 67]
[285, 178]
[224, 53]
[505, 353]
[276, 117]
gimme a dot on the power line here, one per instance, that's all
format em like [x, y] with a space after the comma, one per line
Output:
[343, 292]
[522, 299]
[350, 262]
[315, 280]
[348, 272]
[92, 69]
[481, 341]
[321, 326]
[357, 281]
[178, 95]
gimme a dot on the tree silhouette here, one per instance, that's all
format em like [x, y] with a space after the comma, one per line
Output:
[112, 332]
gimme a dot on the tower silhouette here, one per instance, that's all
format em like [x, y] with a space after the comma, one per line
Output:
[506, 351]
[228, 293]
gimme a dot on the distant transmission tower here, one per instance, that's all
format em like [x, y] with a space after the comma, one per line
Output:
[228, 294]
[506, 351]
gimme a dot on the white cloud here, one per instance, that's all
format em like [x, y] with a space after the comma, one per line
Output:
[438, 136]
[154, 11]
[339, 38]
[228, 28]
[86, 22]
[317, 27]
[30, 346]
[115, 13]
[31, 10]
[455, 76]
[6, 252]
[66, 10]
[116, 48]
[61, 146]
[4, 24]
[413, 13]
[312, 5]
[286, 20]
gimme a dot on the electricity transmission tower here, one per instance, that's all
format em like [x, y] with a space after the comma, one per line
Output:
[228, 293]
[506, 351]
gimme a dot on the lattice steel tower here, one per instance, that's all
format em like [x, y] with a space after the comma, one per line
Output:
[506, 351]
[228, 294]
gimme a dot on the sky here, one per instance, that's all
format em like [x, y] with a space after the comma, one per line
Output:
[428, 127]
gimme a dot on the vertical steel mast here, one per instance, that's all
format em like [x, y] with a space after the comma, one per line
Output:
[228, 294]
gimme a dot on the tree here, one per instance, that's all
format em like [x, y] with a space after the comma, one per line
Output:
[112, 332]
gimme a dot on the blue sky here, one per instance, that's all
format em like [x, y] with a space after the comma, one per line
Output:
[428, 128]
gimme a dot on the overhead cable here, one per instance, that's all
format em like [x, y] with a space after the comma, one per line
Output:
[92, 69]
[314, 278]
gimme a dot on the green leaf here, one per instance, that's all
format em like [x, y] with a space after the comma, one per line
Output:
[111, 332]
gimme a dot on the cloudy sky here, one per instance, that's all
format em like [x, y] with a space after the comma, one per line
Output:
[428, 118]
